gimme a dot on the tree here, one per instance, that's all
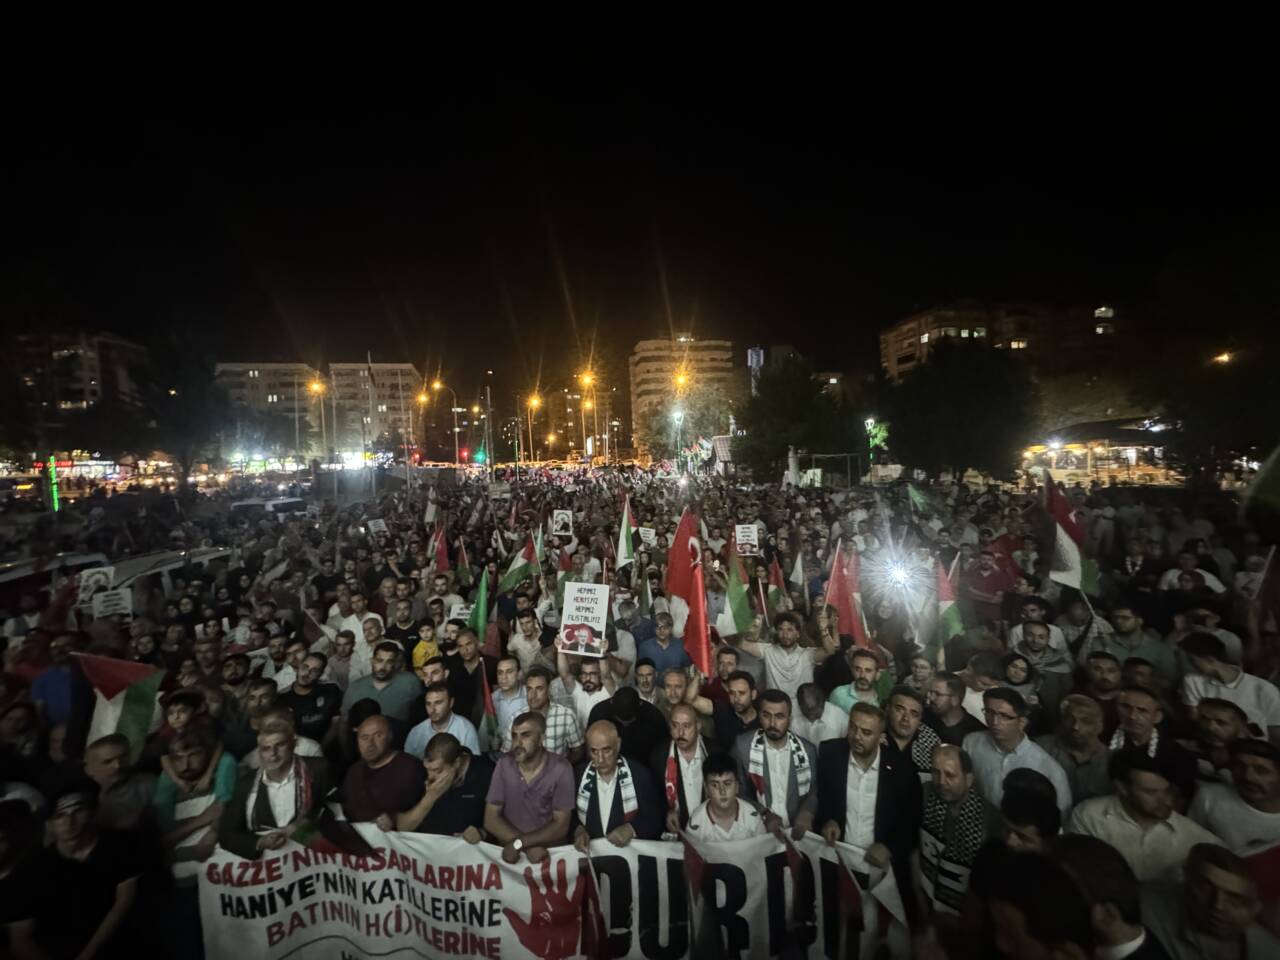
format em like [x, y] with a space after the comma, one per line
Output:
[189, 411]
[969, 406]
[790, 408]
[18, 433]
[700, 411]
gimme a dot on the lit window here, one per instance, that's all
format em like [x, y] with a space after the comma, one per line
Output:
[1104, 313]
[924, 338]
[1102, 329]
[366, 419]
[833, 380]
[950, 332]
[253, 374]
[382, 408]
[979, 331]
[273, 398]
[1019, 344]
[964, 333]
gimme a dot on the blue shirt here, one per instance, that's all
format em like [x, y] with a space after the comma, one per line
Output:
[991, 765]
[53, 689]
[674, 655]
[642, 629]
[416, 743]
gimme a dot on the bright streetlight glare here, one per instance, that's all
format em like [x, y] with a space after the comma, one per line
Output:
[315, 386]
[535, 401]
[422, 397]
[437, 385]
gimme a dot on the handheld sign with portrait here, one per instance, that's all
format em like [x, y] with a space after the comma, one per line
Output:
[746, 536]
[648, 536]
[111, 602]
[562, 523]
[461, 611]
[586, 608]
[377, 526]
[91, 581]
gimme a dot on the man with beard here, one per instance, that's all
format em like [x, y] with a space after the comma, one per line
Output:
[615, 798]
[777, 767]
[385, 782]
[344, 645]
[1139, 820]
[1133, 639]
[315, 705]
[865, 667]
[1052, 663]
[1078, 747]
[647, 681]
[739, 716]
[529, 641]
[1103, 687]
[241, 737]
[984, 587]
[398, 693]
[1213, 913]
[124, 794]
[946, 715]
[1140, 718]
[403, 628]
[1246, 814]
[271, 802]
[1219, 724]
[787, 665]
[589, 689]
[870, 800]
[641, 725]
[955, 823]
[441, 718]
[531, 796]
[562, 733]
[509, 700]
[680, 763]
[468, 671]
[453, 801]
[235, 680]
[908, 737]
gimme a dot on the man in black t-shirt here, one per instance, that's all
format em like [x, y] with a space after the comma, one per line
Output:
[98, 872]
[946, 713]
[327, 580]
[453, 802]
[315, 705]
[402, 627]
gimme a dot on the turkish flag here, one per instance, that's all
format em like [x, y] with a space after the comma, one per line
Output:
[697, 638]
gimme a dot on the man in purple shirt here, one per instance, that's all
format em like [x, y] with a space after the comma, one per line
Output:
[531, 796]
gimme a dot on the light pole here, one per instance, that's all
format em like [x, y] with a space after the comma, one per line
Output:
[423, 399]
[678, 417]
[316, 389]
[535, 401]
[586, 405]
[440, 386]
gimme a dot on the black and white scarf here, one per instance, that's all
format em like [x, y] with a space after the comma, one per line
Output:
[627, 787]
[799, 760]
[1119, 742]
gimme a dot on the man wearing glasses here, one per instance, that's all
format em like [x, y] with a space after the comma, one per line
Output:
[1005, 746]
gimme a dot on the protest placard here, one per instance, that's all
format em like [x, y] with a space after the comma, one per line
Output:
[377, 526]
[582, 620]
[648, 536]
[91, 581]
[562, 523]
[108, 603]
[746, 536]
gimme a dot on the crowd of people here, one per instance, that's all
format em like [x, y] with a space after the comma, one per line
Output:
[1072, 773]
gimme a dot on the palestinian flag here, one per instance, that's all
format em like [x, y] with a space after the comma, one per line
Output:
[524, 566]
[465, 577]
[737, 616]
[626, 551]
[564, 567]
[489, 722]
[920, 503]
[644, 596]
[1068, 563]
[126, 694]
[949, 624]
[777, 586]
[479, 621]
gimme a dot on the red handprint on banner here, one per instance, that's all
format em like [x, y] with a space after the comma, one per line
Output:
[555, 916]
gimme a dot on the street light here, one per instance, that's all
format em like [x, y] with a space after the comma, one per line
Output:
[535, 402]
[316, 389]
[437, 385]
[681, 379]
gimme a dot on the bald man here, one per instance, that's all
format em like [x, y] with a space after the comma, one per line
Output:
[615, 798]
[385, 781]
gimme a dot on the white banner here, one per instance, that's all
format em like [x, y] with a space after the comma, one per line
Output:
[583, 618]
[433, 896]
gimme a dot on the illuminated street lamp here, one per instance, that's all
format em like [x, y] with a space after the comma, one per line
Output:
[316, 389]
[437, 385]
[1224, 357]
[535, 402]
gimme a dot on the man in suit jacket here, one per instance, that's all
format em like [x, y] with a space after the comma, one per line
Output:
[776, 768]
[270, 802]
[615, 798]
[870, 799]
[677, 766]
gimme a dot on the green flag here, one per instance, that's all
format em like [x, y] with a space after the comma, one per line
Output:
[736, 618]
[479, 621]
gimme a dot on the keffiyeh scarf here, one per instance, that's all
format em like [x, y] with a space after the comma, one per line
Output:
[799, 760]
[626, 786]
[302, 791]
[1119, 741]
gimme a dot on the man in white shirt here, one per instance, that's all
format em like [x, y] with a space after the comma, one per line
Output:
[679, 763]
[787, 665]
[1213, 676]
[587, 690]
[1139, 819]
[441, 719]
[818, 719]
[778, 768]
[1246, 812]
[1187, 564]
[509, 700]
[360, 613]
[362, 655]
[723, 816]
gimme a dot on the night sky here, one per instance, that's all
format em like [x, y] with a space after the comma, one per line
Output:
[511, 198]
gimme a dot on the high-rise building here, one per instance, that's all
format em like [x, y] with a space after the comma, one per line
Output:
[369, 407]
[76, 371]
[659, 367]
[270, 387]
